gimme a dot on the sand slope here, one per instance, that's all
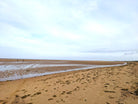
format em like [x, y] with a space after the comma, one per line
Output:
[115, 85]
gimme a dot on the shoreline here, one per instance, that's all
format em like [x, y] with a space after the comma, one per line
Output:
[17, 70]
[109, 85]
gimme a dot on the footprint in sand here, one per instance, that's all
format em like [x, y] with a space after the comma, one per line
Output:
[18, 100]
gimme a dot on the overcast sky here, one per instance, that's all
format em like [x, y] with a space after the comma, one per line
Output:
[69, 29]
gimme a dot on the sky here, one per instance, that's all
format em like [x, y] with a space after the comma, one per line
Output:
[69, 29]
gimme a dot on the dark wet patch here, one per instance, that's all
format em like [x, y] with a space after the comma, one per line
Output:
[62, 100]
[106, 84]
[25, 96]
[4, 102]
[37, 93]
[136, 92]
[70, 92]
[111, 97]
[63, 92]
[54, 95]
[85, 100]
[35, 88]
[16, 95]
[109, 91]
[124, 89]
[50, 99]
[24, 90]
[77, 88]
[1, 101]
[127, 82]
[67, 82]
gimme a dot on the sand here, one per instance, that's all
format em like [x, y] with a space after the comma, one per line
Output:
[19, 69]
[112, 85]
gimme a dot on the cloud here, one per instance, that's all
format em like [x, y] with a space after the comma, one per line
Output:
[66, 29]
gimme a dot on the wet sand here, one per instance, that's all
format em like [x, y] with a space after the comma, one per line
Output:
[112, 85]
[18, 61]
[19, 69]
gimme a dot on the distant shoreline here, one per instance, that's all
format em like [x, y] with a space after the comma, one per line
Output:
[31, 59]
[14, 70]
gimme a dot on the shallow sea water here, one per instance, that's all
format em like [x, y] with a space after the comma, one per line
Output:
[15, 68]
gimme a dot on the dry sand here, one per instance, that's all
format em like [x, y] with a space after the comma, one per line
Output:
[115, 85]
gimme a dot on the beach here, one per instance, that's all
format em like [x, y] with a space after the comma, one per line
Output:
[108, 85]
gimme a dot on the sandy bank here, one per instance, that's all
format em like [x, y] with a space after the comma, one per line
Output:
[115, 85]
